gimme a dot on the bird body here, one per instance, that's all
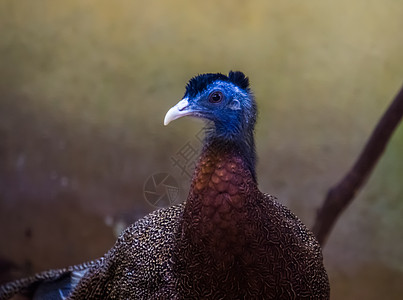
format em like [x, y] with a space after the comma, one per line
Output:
[240, 243]
[228, 240]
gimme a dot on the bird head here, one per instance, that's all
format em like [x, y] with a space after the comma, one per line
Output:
[226, 102]
[228, 106]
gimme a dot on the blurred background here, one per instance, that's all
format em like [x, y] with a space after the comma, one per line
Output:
[85, 85]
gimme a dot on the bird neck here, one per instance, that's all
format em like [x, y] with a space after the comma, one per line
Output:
[221, 197]
[238, 143]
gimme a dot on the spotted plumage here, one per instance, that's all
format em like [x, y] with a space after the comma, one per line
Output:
[227, 241]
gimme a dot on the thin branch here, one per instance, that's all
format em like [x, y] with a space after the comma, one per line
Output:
[342, 194]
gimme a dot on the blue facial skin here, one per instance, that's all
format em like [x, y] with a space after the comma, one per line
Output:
[232, 119]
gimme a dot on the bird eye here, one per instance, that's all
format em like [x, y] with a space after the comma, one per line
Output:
[215, 97]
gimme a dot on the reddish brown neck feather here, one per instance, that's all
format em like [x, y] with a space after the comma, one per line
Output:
[216, 214]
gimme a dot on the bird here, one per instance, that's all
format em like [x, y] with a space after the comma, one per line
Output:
[227, 240]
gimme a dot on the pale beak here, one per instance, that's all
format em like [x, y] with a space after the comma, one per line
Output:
[179, 110]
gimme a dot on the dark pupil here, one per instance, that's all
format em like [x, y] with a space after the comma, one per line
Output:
[216, 97]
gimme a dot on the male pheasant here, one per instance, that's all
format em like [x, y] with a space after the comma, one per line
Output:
[227, 241]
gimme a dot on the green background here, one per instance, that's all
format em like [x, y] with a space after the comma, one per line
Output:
[84, 87]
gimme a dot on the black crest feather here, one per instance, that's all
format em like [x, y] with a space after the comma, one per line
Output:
[198, 83]
[239, 79]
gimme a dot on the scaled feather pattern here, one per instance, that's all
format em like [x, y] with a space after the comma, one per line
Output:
[228, 240]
